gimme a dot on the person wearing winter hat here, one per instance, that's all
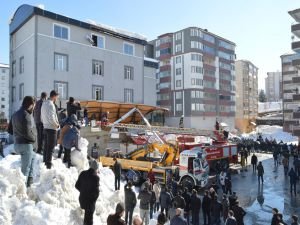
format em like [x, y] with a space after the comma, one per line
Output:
[88, 186]
[116, 219]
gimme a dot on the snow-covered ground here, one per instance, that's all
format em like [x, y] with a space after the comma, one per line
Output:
[272, 132]
[52, 199]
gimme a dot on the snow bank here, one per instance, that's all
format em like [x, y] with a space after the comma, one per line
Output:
[272, 132]
[52, 199]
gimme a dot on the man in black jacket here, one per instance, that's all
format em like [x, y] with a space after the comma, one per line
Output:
[130, 202]
[38, 122]
[72, 107]
[187, 198]
[239, 213]
[195, 207]
[206, 208]
[88, 186]
[165, 200]
[24, 132]
[116, 219]
[145, 198]
[254, 162]
[260, 173]
[117, 171]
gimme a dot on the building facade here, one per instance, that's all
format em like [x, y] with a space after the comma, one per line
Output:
[4, 91]
[273, 86]
[196, 77]
[291, 80]
[246, 95]
[84, 60]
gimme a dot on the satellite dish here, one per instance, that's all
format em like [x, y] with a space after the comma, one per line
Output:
[89, 38]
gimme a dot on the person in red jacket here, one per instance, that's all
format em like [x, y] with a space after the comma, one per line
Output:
[151, 177]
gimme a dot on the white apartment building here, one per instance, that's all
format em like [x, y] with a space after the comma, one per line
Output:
[273, 86]
[4, 90]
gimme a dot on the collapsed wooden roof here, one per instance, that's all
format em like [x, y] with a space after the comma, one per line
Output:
[115, 110]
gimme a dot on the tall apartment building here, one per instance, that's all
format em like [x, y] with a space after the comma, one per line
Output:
[291, 80]
[246, 94]
[273, 86]
[4, 91]
[196, 77]
[85, 60]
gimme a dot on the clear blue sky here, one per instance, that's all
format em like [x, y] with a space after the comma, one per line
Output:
[260, 28]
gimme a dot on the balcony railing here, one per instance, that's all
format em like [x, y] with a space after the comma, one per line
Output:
[296, 46]
[296, 29]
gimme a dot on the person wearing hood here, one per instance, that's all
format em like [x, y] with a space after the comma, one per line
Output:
[88, 186]
[116, 219]
[24, 133]
[70, 140]
[51, 125]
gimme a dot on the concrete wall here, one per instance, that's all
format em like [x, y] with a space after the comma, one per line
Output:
[150, 86]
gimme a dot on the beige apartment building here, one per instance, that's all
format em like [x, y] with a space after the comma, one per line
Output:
[246, 95]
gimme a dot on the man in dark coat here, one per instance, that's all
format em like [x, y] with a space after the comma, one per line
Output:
[38, 122]
[116, 219]
[117, 171]
[260, 173]
[88, 186]
[274, 218]
[254, 162]
[72, 107]
[295, 220]
[215, 211]
[24, 132]
[293, 180]
[179, 201]
[165, 201]
[145, 198]
[130, 202]
[239, 213]
[178, 219]
[232, 200]
[195, 207]
[206, 207]
[187, 198]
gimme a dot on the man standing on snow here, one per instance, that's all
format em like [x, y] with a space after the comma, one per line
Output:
[23, 128]
[254, 162]
[117, 171]
[130, 202]
[88, 186]
[145, 198]
[51, 125]
[38, 122]
[293, 180]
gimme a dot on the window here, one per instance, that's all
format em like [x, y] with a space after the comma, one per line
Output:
[178, 48]
[209, 50]
[178, 59]
[98, 67]
[60, 62]
[199, 82]
[209, 84]
[157, 43]
[178, 71]
[225, 66]
[178, 36]
[21, 69]
[197, 107]
[196, 94]
[166, 73]
[178, 83]
[208, 38]
[128, 73]
[226, 45]
[128, 49]
[165, 51]
[196, 57]
[98, 41]
[196, 32]
[13, 93]
[196, 44]
[3, 99]
[178, 107]
[196, 69]
[2, 106]
[98, 92]
[3, 70]
[178, 95]
[61, 32]
[193, 81]
[157, 54]
[164, 96]
[164, 85]
[61, 88]
[128, 95]
[21, 91]
[13, 72]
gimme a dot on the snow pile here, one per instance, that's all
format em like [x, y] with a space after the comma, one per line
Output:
[52, 199]
[269, 106]
[272, 132]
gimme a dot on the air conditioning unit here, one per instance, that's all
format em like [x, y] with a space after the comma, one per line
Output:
[89, 38]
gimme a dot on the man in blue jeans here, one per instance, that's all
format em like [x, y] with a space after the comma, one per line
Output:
[24, 132]
[51, 125]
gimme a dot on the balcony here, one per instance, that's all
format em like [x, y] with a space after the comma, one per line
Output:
[296, 97]
[296, 46]
[296, 29]
[295, 14]
[296, 80]
[296, 115]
